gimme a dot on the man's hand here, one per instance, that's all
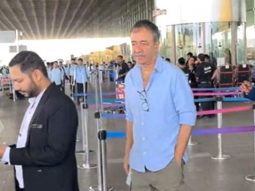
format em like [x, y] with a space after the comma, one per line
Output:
[2, 149]
[246, 87]
[182, 142]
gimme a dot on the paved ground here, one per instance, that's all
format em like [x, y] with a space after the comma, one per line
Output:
[201, 172]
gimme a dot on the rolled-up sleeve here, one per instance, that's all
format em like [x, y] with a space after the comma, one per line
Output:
[184, 101]
[129, 116]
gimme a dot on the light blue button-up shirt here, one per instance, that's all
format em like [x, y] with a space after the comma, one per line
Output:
[156, 124]
[81, 75]
[72, 69]
[56, 76]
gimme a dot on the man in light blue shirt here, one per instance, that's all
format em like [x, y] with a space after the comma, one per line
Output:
[81, 79]
[72, 68]
[56, 75]
[160, 112]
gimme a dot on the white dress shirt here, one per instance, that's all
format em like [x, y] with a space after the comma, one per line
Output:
[22, 138]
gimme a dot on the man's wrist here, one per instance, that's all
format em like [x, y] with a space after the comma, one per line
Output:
[2, 150]
[178, 157]
[5, 157]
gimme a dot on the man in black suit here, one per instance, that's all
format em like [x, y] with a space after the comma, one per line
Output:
[44, 156]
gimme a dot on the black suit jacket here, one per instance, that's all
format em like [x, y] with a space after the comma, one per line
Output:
[48, 160]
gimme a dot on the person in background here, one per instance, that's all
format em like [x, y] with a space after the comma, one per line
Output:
[159, 115]
[183, 66]
[168, 60]
[192, 77]
[204, 72]
[63, 75]
[56, 75]
[44, 156]
[81, 80]
[72, 69]
[130, 65]
[123, 68]
[248, 90]
[188, 55]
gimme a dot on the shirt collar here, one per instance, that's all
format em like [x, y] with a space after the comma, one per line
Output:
[158, 66]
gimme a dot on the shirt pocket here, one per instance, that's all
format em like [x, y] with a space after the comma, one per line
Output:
[37, 135]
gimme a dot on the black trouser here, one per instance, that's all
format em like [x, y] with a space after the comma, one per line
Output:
[72, 85]
[80, 89]
[197, 103]
[59, 87]
[206, 105]
[63, 85]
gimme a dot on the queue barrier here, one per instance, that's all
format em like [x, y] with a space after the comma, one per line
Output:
[217, 89]
[103, 135]
[204, 131]
[195, 132]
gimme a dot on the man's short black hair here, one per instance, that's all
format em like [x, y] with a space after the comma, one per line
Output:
[207, 56]
[181, 61]
[189, 54]
[29, 61]
[168, 59]
[150, 26]
[201, 57]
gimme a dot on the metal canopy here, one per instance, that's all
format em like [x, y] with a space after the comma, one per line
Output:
[51, 19]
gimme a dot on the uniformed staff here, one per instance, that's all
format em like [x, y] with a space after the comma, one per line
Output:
[56, 75]
[81, 79]
[203, 74]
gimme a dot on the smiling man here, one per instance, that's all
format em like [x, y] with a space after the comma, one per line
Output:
[44, 156]
[159, 113]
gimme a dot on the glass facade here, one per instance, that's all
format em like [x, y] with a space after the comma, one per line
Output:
[224, 36]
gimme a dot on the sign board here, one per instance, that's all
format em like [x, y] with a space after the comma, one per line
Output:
[14, 49]
[157, 12]
[172, 12]
[7, 36]
[120, 91]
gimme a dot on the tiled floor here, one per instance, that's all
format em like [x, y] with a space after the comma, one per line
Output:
[201, 172]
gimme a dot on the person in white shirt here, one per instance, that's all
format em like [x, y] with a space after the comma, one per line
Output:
[44, 156]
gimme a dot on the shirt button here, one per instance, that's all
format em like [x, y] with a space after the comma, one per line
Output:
[144, 153]
[143, 138]
[142, 123]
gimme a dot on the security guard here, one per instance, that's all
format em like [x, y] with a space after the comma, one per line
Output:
[203, 74]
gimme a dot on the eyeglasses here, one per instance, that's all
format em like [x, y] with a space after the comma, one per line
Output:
[144, 100]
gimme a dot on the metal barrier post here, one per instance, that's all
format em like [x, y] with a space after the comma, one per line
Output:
[12, 89]
[252, 177]
[85, 142]
[100, 171]
[102, 139]
[1, 86]
[220, 156]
